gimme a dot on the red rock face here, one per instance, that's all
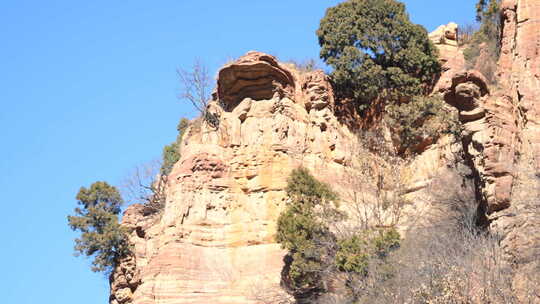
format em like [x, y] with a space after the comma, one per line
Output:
[503, 141]
[214, 241]
[519, 71]
[490, 136]
[488, 120]
[520, 66]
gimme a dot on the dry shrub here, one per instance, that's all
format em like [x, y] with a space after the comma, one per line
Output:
[520, 224]
[466, 33]
[304, 66]
[145, 185]
[483, 49]
[445, 258]
[373, 200]
[449, 261]
[374, 185]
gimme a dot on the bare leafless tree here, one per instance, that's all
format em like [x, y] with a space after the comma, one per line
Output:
[466, 33]
[195, 87]
[264, 293]
[448, 259]
[145, 185]
[374, 186]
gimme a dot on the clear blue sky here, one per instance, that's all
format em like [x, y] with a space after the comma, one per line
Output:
[88, 90]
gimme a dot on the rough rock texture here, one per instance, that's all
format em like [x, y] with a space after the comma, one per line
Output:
[488, 119]
[445, 34]
[445, 38]
[519, 72]
[503, 141]
[215, 240]
[519, 67]
[490, 136]
[255, 75]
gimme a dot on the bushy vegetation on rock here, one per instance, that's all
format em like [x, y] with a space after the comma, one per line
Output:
[171, 153]
[318, 255]
[355, 252]
[303, 227]
[447, 259]
[423, 119]
[96, 219]
[378, 55]
[375, 51]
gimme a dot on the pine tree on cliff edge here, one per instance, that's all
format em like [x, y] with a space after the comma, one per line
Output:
[102, 236]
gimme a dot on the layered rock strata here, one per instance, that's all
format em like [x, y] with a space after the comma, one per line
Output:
[489, 139]
[488, 119]
[446, 39]
[214, 242]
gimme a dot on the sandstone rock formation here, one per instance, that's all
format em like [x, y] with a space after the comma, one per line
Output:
[488, 119]
[503, 141]
[445, 38]
[519, 73]
[445, 34]
[214, 242]
[489, 136]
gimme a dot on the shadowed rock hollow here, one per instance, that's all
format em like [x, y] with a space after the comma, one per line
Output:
[255, 75]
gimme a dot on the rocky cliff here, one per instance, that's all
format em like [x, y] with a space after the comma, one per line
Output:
[214, 241]
[519, 72]
[502, 140]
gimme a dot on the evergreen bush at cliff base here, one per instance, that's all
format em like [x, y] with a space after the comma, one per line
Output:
[318, 256]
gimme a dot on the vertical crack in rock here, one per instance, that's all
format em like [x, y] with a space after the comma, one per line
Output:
[503, 139]
[490, 136]
[519, 67]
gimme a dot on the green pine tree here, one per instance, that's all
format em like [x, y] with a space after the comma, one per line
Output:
[302, 228]
[376, 51]
[96, 218]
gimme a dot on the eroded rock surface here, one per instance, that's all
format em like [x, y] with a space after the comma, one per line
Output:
[519, 78]
[215, 240]
[503, 141]
[490, 136]
[445, 34]
[255, 75]
[446, 38]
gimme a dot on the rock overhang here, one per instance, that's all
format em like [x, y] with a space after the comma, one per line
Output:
[255, 75]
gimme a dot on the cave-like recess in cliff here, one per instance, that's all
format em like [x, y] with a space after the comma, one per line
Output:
[258, 79]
